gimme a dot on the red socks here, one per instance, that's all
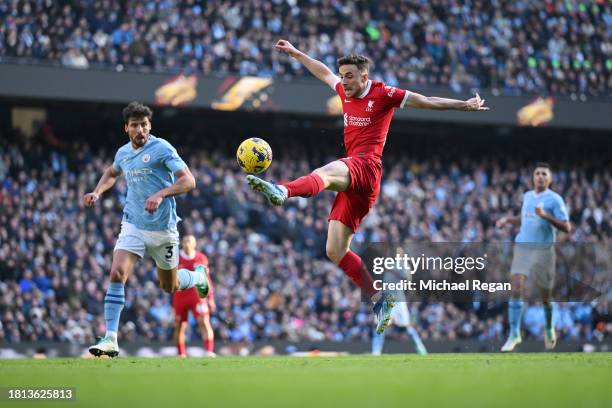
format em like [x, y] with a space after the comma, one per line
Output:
[209, 345]
[352, 266]
[305, 186]
[180, 347]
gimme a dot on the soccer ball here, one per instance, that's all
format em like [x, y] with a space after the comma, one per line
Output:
[254, 155]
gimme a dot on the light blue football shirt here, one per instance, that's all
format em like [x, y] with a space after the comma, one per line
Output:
[147, 170]
[535, 229]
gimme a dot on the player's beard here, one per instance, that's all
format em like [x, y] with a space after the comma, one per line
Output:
[541, 184]
[354, 91]
[140, 141]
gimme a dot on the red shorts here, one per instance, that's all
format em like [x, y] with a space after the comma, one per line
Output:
[353, 204]
[186, 302]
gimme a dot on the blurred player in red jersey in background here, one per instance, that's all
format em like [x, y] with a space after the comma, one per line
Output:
[187, 300]
[368, 108]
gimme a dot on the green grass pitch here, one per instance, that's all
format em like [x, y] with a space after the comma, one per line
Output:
[444, 380]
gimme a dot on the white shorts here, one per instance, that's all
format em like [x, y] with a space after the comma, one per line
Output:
[400, 315]
[162, 246]
[538, 263]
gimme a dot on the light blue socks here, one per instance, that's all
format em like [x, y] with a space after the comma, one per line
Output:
[113, 305]
[515, 314]
[188, 279]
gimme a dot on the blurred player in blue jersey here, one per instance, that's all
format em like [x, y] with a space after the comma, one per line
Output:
[400, 316]
[543, 212]
[155, 174]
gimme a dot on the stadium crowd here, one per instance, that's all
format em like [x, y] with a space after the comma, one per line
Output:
[511, 47]
[271, 278]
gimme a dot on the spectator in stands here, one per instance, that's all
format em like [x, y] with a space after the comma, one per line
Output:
[273, 282]
[511, 47]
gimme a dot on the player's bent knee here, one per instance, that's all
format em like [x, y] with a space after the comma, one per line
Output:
[118, 274]
[335, 254]
[335, 175]
[325, 176]
[518, 282]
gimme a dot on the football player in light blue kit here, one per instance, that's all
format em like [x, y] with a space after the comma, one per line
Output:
[543, 212]
[155, 174]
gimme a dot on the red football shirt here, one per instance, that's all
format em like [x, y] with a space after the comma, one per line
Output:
[367, 117]
[187, 263]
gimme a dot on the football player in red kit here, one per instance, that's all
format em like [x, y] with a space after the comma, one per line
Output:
[188, 300]
[368, 108]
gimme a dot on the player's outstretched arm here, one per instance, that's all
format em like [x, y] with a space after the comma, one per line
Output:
[475, 104]
[108, 179]
[184, 182]
[317, 68]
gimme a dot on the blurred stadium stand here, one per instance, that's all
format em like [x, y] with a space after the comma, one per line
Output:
[272, 281]
[510, 47]
[66, 67]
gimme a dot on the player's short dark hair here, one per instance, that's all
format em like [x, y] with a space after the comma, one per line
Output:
[542, 165]
[136, 110]
[361, 62]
